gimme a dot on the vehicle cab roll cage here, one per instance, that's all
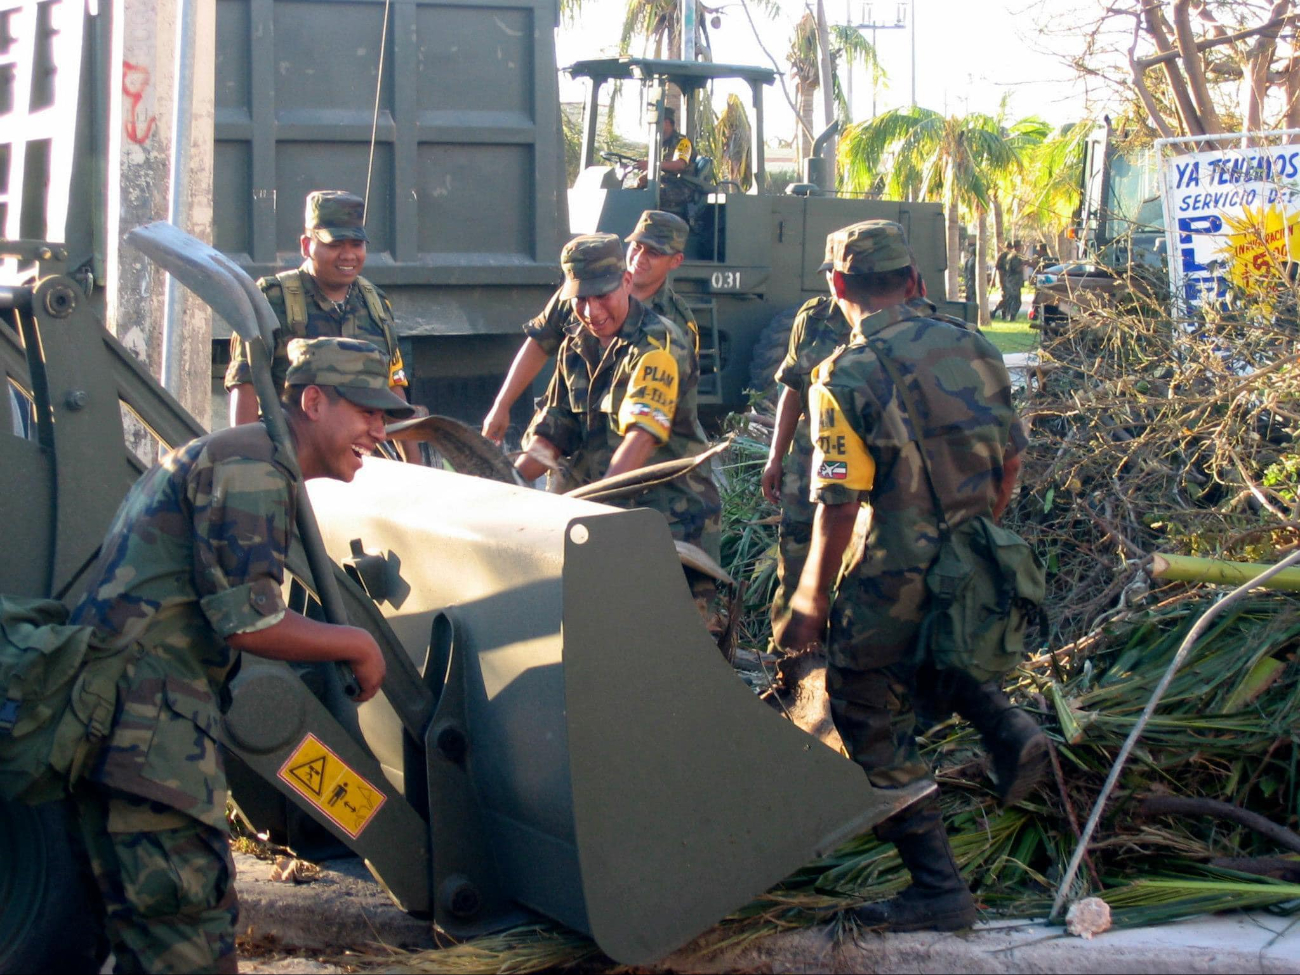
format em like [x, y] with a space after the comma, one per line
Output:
[689, 77]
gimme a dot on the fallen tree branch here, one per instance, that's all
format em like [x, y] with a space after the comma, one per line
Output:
[1121, 759]
[1182, 806]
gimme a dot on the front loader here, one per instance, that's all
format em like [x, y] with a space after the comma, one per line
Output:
[557, 735]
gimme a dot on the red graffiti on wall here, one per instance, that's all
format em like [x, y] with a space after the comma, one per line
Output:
[135, 80]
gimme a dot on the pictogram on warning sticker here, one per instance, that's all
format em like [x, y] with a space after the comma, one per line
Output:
[322, 778]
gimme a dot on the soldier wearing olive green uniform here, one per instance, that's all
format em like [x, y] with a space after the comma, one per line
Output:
[819, 329]
[190, 571]
[623, 378]
[868, 447]
[298, 297]
[657, 243]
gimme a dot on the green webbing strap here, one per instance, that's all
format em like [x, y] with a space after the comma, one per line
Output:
[905, 394]
[295, 300]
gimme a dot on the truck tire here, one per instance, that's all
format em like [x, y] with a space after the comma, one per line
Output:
[769, 349]
[48, 910]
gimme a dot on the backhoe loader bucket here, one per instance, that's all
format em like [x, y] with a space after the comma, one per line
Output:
[590, 757]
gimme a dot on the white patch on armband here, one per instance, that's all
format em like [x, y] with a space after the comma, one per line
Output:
[839, 455]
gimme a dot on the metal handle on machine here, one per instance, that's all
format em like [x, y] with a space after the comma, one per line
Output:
[231, 293]
[322, 568]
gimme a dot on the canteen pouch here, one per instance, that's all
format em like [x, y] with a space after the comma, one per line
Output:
[984, 588]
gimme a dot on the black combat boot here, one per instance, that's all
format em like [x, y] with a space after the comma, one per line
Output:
[938, 899]
[1016, 745]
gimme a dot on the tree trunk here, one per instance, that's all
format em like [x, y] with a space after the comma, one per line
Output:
[1155, 27]
[1254, 80]
[1194, 66]
[1065, 246]
[981, 295]
[952, 277]
[804, 96]
[1292, 118]
[999, 220]
[828, 91]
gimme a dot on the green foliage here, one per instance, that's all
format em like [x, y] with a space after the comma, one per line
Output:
[1282, 476]
[749, 535]
[920, 154]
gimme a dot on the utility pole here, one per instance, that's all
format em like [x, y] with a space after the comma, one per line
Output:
[868, 22]
[160, 168]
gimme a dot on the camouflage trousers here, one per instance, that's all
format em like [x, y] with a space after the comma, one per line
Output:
[168, 893]
[792, 541]
[872, 673]
[1011, 300]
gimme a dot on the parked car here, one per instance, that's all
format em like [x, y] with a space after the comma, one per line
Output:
[1062, 290]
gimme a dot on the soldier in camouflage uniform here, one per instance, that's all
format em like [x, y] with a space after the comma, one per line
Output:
[654, 251]
[325, 296]
[190, 575]
[867, 450]
[819, 329]
[623, 392]
[1013, 280]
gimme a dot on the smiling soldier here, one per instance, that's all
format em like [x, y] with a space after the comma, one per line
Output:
[326, 296]
[654, 250]
[189, 576]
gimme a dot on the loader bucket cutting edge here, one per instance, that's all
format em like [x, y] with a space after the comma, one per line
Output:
[592, 757]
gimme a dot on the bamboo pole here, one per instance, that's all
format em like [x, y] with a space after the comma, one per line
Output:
[1201, 625]
[1188, 568]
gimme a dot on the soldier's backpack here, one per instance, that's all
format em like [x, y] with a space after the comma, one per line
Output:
[58, 694]
[295, 305]
[983, 589]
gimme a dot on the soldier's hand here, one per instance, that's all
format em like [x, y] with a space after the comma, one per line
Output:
[368, 666]
[805, 625]
[772, 480]
[495, 424]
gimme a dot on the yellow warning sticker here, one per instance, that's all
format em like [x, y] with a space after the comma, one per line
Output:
[324, 780]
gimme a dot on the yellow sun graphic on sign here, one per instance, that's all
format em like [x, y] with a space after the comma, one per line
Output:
[1260, 243]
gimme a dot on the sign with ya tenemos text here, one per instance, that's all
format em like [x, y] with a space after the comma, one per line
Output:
[1232, 219]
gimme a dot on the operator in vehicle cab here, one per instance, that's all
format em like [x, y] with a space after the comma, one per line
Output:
[654, 251]
[325, 296]
[675, 152]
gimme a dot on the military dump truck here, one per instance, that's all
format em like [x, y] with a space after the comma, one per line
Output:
[557, 736]
[468, 206]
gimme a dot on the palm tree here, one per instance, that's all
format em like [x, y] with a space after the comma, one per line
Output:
[921, 154]
[659, 24]
[848, 47]
[1054, 170]
[806, 74]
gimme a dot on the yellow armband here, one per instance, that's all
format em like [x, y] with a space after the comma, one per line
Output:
[397, 369]
[839, 455]
[651, 400]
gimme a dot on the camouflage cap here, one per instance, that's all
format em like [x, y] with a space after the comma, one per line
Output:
[869, 247]
[335, 215]
[357, 369]
[593, 265]
[661, 231]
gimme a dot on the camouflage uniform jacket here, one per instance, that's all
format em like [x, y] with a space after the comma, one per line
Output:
[867, 450]
[194, 555]
[645, 380]
[323, 320]
[819, 329]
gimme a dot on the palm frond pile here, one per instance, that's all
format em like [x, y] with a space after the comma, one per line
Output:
[1149, 434]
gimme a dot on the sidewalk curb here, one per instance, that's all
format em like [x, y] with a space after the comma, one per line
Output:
[344, 907]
